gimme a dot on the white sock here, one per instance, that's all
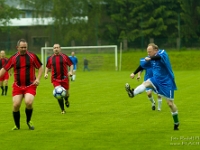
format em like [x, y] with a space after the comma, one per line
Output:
[73, 77]
[159, 103]
[141, 88]
[152, 100]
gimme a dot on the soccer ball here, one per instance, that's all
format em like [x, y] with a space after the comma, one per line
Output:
[59, 92]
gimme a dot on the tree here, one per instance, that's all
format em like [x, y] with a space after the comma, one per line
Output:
[7, 13]
[72, 20]
[190, 25]
[132, 19]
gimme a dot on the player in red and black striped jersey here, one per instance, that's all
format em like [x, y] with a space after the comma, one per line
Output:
[59, 63]
[25, 83]
[4, 79]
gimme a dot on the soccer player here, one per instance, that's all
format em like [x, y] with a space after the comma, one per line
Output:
[149, 91]
[25, 83]
[59, 63]
[4, 79]
[74, 60]
[162, 81]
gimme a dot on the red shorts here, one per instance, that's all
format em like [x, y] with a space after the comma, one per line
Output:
[18, 90]
[64, 83]
[5, 77]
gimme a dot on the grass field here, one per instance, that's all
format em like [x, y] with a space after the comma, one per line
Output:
[103, 117]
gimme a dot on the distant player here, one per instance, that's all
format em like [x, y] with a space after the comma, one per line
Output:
[162, 81]
[59, 63]
[74, 60]
[4, 79]
[149, 91]
[85, 64]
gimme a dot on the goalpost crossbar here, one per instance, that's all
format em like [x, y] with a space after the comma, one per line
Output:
[79, 47]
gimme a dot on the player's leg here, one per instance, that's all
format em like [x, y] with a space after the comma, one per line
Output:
[6, 78]
[28, 99]
[174, 112]
[159, 102]
[29, 96]
[17, 100]
[87, 68]
[74, 75]
[65, 84]
[6, 86]
[67, 104]
[60, 101]
[2, 87]
[139, 89]
[150, 97]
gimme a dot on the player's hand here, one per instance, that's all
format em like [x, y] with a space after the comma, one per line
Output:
[70, 74]
[147, 58]
[46, 76]
[132, 75]
[36, 82]
[138, 78]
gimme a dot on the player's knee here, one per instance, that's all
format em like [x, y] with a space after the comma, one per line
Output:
[149, 95]
[29, 105]
[16, 106]
[170, 103]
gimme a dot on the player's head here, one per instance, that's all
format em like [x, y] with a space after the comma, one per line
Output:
[2, 54]
[73, 53]
[56, 49]
[22, 46]
[152, 49]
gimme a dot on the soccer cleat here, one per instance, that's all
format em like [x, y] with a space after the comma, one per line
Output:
[159, 109]
[30, 125]
[129, 91]
[63, 112]
[153, 107]
[15, 128]
[67, 104]
[176, 126]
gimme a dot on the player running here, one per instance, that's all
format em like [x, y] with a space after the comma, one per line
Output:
[4, 79]
[59, 63]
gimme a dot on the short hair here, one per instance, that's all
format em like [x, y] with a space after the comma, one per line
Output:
[154, 46]
[21, 40]
[56, 44]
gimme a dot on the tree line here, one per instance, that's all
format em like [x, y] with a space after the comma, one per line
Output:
[133, 22]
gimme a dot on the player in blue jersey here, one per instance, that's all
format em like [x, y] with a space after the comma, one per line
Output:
[149, 91]
[74, 60]
[162, 81]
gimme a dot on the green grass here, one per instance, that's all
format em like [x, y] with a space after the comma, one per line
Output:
[180, 60]
[102, 116]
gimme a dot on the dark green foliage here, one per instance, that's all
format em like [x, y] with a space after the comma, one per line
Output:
[112, 21]
[7, 13]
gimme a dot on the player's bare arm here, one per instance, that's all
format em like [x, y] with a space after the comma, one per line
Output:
[37, 80]
[46, 73]
[2, 72]
[70, 73]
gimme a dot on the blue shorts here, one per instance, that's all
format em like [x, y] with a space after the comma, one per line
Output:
[74, 68]
[163, 89]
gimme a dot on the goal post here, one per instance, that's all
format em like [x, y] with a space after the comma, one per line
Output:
[97, 54]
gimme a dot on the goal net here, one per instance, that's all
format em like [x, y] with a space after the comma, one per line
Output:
[99, 57]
